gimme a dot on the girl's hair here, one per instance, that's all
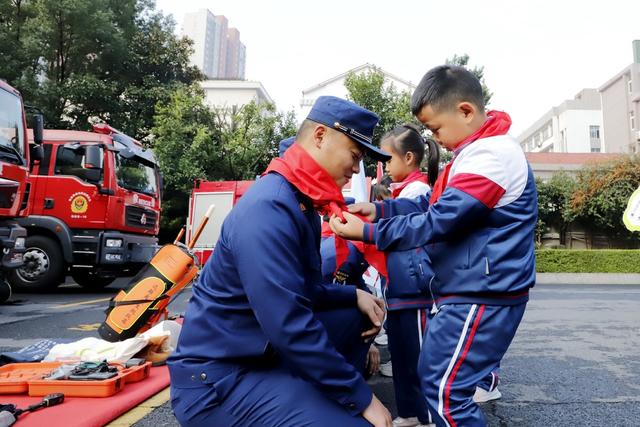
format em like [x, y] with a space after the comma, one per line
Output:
[406, 138]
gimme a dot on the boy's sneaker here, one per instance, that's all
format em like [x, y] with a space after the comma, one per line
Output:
[481, 395]
[381, 339]
[386, 370]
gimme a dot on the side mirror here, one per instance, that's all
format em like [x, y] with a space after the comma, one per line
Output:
[93, 157]
[93, 175]
[36, 122]
[161, 185]
[36, 152]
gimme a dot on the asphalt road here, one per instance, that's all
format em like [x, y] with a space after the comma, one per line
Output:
[574, 362]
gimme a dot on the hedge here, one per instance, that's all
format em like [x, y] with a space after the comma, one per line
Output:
[587, 261]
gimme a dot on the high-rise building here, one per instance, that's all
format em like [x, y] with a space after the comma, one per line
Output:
[218, 51]
[200, 26]
[223, 29]
[235, 55]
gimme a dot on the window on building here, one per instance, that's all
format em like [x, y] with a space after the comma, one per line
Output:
[547, 131]
[594, 132]
[630, 85]
[632, 120]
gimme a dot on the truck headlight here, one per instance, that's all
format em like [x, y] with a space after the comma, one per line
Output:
[114, 243]
[19, 244]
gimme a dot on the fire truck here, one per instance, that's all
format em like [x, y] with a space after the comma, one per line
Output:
[224, 195]
[95, 210]
[14, 188]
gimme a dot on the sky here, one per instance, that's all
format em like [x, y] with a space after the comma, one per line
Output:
[535, 54]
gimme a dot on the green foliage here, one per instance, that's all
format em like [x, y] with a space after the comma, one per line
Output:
[370, 90]
[602, 192]
[463, 61]
[554, 209]
[193, 142]
[82, 60]
[587, 261]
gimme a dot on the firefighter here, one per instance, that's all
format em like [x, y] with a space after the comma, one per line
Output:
[264, 341]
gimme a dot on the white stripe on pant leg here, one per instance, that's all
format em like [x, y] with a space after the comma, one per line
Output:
[452, 362]
[420, 331]
[493, 381]
[420, 338]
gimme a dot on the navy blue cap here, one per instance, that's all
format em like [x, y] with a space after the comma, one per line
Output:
[349, 200]
[351, 119]
[284, 144]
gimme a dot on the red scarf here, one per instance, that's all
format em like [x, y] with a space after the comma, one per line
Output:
[416, 175]
[498, 123]
[304, 173]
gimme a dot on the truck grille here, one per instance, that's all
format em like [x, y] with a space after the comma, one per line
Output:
[140, 217]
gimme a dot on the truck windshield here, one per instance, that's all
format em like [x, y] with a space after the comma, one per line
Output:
[136, 176]
[11, 127]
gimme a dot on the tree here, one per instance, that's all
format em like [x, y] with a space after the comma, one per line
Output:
[602, 192]
[193, 141]
[554, 208]
[463, 61]
[373, 92]
[102, 60]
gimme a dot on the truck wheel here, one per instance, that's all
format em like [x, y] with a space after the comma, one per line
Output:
[91, 280]
[5, 290]
[43, 268]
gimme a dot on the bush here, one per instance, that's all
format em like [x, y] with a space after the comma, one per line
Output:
[587, 261]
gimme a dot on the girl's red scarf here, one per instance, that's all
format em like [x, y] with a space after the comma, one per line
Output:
[498, 123]
[304, 173]
[416, 175]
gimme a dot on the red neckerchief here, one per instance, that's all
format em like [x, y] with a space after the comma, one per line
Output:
[414, 176]
[498, 123]
[304, 173]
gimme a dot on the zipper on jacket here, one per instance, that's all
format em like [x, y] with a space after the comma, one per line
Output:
[486, 265]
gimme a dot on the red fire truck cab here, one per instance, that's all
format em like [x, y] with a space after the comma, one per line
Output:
[14, 189]
[95, 209]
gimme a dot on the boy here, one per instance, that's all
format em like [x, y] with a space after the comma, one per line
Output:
[478, 225]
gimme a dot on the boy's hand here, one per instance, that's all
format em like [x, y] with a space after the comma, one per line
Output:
[373, 359]
[377, 414]
[373, 308]
[368, 210]
[350, 229]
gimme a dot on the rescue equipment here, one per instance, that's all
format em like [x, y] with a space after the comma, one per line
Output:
[145, 302]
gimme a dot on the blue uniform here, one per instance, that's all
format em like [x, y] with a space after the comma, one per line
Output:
[479, 236]
[264, 342]
[350, 272]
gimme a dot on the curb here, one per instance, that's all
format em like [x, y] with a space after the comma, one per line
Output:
[588, 278]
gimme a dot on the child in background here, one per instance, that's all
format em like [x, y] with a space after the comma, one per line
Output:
[409, 273]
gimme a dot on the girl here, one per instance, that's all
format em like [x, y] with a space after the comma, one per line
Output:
[407, 300]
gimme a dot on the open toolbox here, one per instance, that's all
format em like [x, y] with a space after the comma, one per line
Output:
[16, 378]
